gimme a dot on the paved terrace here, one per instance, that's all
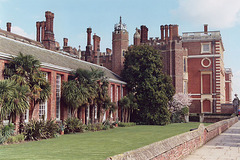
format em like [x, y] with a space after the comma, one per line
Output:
[226, 146]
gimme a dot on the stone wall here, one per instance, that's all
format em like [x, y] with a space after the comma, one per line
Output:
[177, 147]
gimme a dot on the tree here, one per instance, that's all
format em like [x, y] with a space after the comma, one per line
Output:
[179, 106]
[128, 103]
[13, 99]
[25, 70]
[86, 88]
[151, 87]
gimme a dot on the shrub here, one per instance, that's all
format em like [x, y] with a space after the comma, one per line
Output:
[129, 124]
[106, 125]
[91, 127]
[36, 130]
[5, 132]
[50, 129]
[15, 139]
[99, 126]
[178, 116]
[73, 125]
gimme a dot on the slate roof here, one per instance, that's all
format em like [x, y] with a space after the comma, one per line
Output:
[11, 45]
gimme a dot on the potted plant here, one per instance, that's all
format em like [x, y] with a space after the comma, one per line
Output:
[116, 122]
[62, 129]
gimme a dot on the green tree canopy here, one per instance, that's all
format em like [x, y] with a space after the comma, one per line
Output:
[25, 70]
[13, 98]
[152, 88]
[85, 87]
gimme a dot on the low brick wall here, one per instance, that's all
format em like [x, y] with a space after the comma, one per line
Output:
[176, 147]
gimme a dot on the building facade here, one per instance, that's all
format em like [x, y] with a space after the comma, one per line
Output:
[194, 61]
[57, 65]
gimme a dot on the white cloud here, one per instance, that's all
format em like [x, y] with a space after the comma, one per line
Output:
[20, 31]
[217, 13]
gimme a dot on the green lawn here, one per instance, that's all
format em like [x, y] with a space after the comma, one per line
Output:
[93, 145]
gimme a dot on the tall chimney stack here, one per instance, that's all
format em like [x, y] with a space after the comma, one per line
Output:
[170, 32]
[162, 32]
[65, 42]
[166, 33]
[175, 31]
[48, 16]
[38, 25]
[144, 34]
[9, 26]
[205, 28]
[43, 25]
[89, 31]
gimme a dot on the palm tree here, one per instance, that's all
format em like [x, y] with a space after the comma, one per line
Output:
[128, 103]
[25, 70]
[85, 88]
[13, 99]
[6, 91]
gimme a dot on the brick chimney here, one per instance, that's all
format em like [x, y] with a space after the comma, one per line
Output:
[43, 26]
[205, 28]
[162, 32]
[96, 44]
[166, 33]
[65, 42]
[170, 32]
[48, 16]
[38, 25]
[175, 31]
[9, 26]
[144, 34]
[48, 39]
[89, 31]
[51, 22]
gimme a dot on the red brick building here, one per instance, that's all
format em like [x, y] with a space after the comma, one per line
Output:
[195, 63]
[57, 65]
[206, 72]
[193, 60]
[172, 51]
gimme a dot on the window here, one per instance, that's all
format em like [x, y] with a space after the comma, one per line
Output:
[123, 53]
[184, 64]
[26, 116]
[5, 68]
[95, 107]
[117, 93]
[58, 96]
[43, 105]
[206, 48]
[111, 93]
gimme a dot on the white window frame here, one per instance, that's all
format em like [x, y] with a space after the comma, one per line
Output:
[26, 116]
[111, 93]
[202, 47]
[43, 106]
[58, 96]
[95, 112]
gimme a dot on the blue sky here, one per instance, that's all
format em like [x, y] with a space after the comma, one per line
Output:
[72, 17]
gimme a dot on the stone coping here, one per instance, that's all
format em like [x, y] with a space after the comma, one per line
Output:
[158, 148]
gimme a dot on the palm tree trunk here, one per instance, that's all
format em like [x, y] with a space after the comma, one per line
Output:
[21, 123]
[126, 114]
[129, 114]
